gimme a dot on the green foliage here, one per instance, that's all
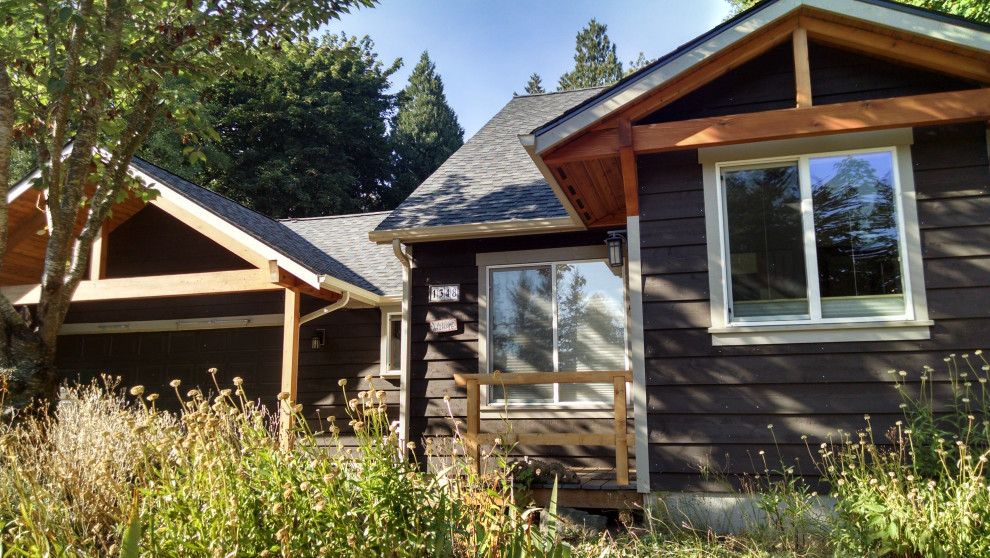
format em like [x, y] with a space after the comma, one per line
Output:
[425, 131]
[927, 494]
[978, 10]
[638, 64]
[595, 61]
[535, 85]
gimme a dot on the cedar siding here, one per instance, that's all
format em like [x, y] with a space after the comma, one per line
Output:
[713, 404]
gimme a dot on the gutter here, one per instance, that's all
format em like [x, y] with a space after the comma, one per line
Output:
[405, 379]
[327, 309]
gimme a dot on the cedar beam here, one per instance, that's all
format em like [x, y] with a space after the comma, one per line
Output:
[859, 116]
[802, 68]
[290, 365]
[975, 67]
[285, 279]
[211, 232]
[627, 160]
[98, 257]
[217, 282]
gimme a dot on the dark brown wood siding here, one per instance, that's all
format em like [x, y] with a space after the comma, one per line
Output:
[152, 242]
[153, 359]
[436, 357]
[713, 405]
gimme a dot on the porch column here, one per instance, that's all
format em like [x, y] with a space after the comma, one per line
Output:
[630, 185]
[290, 364]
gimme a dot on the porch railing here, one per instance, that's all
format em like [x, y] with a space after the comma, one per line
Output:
[620, 439]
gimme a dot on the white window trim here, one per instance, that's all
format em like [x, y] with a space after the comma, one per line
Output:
[914, 325]
[520, 258]
[389, 313]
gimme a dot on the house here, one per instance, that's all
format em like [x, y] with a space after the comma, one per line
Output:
[750, 231]
[801, 196]
[193, 281]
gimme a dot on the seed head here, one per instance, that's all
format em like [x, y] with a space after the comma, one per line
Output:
[238, 381]
[342, 382]
[213, 371]
[152, 397]
[175, 383]
[283, 396]
[137, 391]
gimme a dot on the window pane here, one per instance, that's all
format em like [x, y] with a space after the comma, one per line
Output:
[859, 267]
[766, 249]
[522, 330]
[395, 343]
[590, 326]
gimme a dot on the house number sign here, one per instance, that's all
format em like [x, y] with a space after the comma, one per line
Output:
[445, 293]
[445, 325]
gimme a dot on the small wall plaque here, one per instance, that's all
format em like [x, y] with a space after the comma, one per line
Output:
[443, 326]
[445, 293]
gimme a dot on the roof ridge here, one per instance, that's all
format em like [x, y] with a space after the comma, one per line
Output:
[548, 93]
[341, 216]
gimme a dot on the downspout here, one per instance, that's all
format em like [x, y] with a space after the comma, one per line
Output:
[327, 309]
[405, 379]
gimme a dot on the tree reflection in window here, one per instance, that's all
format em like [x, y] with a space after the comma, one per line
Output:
[588, 300]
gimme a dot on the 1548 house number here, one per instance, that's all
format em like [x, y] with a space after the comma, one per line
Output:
[445, 293]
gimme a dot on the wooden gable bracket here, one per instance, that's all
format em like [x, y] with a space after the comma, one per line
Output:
[859, 116]
[802, 68]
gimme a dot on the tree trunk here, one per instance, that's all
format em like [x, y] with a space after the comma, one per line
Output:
[28, 368]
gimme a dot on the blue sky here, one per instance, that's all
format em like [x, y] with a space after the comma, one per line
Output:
[486, 50]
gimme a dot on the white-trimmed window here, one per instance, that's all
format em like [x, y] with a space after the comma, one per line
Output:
[552, 311]
[391, 355]
[808, 242]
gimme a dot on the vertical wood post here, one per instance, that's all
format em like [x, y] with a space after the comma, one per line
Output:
[802, 68]
[621, 438]
[474, 422]
[290, 364]
[627, 162]
[98, 257]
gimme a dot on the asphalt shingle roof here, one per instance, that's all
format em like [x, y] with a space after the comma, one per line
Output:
[276, 235]
[346, 237]
[491, 178]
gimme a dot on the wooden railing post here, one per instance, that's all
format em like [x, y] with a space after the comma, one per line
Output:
[474, 422]
[621, 439]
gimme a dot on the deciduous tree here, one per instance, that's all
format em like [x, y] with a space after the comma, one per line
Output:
[973, 9]
[83, 81]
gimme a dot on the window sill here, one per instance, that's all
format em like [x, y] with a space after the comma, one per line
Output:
[821, 333]
[391, 375]
[500, 412]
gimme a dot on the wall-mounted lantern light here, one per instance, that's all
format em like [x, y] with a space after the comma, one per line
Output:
[614, 244]
[319, 338]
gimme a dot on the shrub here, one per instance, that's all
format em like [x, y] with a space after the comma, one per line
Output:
[926, 494]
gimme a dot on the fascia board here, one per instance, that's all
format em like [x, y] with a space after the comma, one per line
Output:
[357, 293]
[528, 142]
[477, 230]
[874, 13]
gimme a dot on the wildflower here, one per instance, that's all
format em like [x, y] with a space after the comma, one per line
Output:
[362, 395]
[298, 408]
[866, 417]
[238, 381]
[358, 425]
[804, 437]
[910, 478]
[762, 452]
[305, 486]
[283, 396]
[137, 391]
[353, 403]
[902, 373]
[898, 423]
[213, 371]
[966, 357]
[368, 378]
[446, 398]
[978, 352]
[342, 382]
[411, 445]
[175, 383]
[152, 397]
[225, 393]
[770, 426]
[380, 394]
[192, 393]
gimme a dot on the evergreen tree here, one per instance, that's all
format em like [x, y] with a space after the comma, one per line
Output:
[595, 61]
[425, 131]
[639, 63]
[535, 85]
